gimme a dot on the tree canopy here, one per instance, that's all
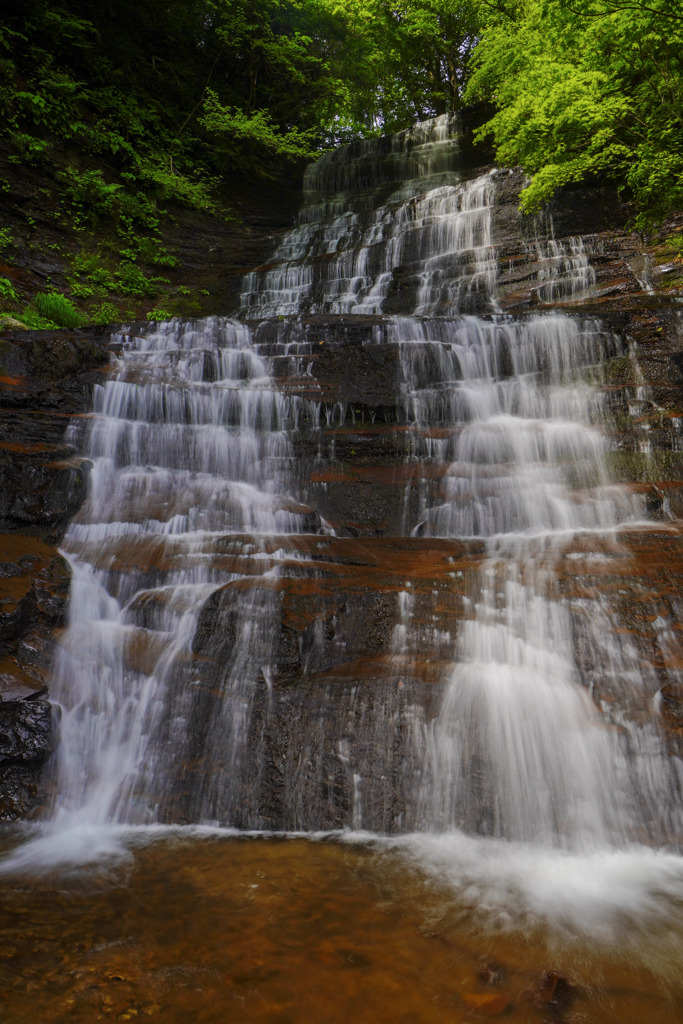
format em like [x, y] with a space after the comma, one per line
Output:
[587, 88]
[171, 94]
[184, 87]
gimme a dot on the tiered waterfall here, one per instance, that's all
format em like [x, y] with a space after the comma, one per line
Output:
[227, 660]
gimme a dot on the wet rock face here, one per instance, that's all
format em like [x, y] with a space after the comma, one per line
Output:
[34, 591]
[334, 661]
[45, 379]
[25, 731]
[335, 672]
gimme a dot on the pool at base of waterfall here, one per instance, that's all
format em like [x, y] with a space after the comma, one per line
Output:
[210, 926]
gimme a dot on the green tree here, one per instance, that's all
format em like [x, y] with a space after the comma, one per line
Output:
[172, 94]
[586, 88]
[400, 62]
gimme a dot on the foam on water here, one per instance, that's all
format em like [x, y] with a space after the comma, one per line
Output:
[599, 894]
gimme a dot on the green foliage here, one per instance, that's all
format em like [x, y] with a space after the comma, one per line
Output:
[32, 319]
[99, 275]
[246, 137]
[170, 184]
[400, 62]
[90, 276]
[186, 301]
[591, 88]
[6, 239]
[104, 313]
[93, 202]
[158, 314]
[174, 94]
[132, 280]
[7, 290]
[29, 148]
[91, 198]
[674, 245]
[150, 250]
[57, 309]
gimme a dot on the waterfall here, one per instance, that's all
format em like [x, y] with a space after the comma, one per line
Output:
[190, 442]
[384, 230]
[519, 749]
[201, 503]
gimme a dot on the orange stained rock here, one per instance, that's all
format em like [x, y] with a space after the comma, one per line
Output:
[402, 473]
[12, 591]
[396, 558]
[18, 681]
[28, 449]
[386, 666]
[491, 1004]
[14, 546]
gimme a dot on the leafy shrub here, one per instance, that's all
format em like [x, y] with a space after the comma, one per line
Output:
[91, 197]
[131, 280]
[58, 309]
[34, 321]
[158, 313]
[151, 251]
[6, 289]
[89, 276]
[674, 245]
[105, 313]
[198, 194]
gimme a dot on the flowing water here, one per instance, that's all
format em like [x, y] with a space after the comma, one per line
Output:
[523, 777]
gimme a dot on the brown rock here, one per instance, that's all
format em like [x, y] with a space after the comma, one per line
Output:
[555, 990]
[491, 1004]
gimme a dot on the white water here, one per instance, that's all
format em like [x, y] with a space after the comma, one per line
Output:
[564, 268]
[189, 443]
[365, 216]
[523, 774]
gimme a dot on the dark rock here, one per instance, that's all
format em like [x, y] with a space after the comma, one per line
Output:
[26, 730]
[556, 991]
[16, 610]
[19, 790]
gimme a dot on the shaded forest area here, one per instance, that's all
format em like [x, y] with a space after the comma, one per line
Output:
[126, 126]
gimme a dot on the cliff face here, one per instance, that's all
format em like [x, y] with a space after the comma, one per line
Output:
[45, 380]
[337, 604]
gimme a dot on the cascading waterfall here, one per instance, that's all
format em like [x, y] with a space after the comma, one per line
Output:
[522, 467]
[401, 209]
[519, 749]
[191, 442]
[564, 270]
